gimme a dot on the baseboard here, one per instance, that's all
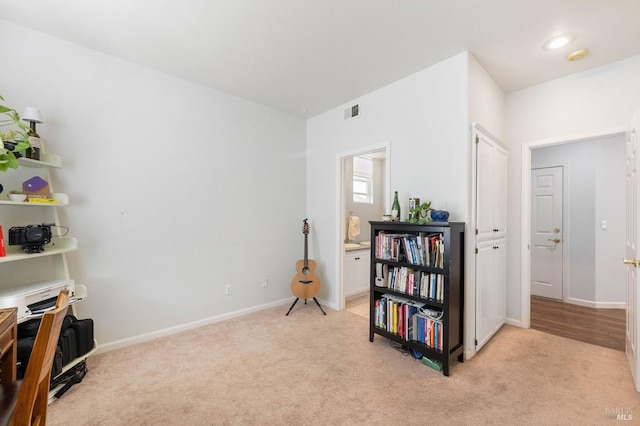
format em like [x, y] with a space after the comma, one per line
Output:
[188, 326]
[597, 305]
[513, 322]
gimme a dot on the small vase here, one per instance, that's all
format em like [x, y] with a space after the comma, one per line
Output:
[439, 215]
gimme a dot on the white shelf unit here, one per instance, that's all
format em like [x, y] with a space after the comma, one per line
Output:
[18, 267]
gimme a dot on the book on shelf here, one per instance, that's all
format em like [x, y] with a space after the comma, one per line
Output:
[428, 285]
[396, 315]
[424, 249]
[428, 331]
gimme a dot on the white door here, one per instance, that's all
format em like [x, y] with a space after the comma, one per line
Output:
[546, 232]
[491, 289]
[491, 213]
[632, 188]
[491, 187]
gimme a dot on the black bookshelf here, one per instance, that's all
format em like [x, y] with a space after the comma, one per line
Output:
[403, 253]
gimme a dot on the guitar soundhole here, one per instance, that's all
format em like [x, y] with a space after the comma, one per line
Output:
[306, 270]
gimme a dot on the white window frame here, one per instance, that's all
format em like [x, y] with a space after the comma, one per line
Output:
[360, 176]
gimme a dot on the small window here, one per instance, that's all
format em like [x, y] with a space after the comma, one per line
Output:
[362, 180]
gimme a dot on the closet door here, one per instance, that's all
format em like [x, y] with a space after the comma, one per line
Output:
[485, 188]
[491, 233]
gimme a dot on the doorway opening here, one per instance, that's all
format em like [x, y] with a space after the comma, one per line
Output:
[572, 284]
[363, 196]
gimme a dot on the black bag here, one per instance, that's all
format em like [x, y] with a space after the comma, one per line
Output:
[69, 378]
[68, 344]
[84, 335]
[56, 367]
[76, 339]
[28, 328]
[24, 348]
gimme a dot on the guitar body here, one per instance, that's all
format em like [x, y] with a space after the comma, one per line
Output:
[305, 285]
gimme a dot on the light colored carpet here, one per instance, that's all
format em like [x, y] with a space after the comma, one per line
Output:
[309, 369]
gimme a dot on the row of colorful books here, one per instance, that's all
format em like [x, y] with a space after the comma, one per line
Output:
[406, 280]
[425, 249]
[409, 320]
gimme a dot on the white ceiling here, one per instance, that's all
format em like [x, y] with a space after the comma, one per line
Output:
[307, 56]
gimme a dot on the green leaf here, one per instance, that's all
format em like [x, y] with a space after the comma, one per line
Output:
[13, 161]
[21, 146]
[4, 162]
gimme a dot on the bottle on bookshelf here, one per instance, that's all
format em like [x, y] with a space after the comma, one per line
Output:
[395, 208]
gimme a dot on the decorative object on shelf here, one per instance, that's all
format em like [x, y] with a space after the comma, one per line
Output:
[36, 187]
[13, 141]
[395, 208]
[33, 116]
[413, 202]
[420, 213]
[17, 196]
[439, 215]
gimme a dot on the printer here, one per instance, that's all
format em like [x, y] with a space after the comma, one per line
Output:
[35, 298]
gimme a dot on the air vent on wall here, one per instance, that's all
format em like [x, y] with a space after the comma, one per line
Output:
[352, 112]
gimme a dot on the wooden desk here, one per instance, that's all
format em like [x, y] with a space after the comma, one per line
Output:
[8, 344]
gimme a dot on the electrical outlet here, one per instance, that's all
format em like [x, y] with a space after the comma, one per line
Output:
[227, 289]
[265, 282]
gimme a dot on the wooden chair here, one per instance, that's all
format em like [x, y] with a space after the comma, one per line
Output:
[30, 396]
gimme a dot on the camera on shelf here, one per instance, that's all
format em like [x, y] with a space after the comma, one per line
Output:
[32, 238]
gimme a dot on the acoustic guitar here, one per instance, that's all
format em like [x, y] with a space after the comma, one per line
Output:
[305, 285]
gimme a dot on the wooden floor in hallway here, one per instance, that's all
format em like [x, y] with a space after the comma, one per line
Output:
[602, 327]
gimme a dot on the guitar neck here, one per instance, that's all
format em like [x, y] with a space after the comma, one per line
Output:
[306, 256]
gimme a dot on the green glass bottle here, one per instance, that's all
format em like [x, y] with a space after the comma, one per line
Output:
[395, 208]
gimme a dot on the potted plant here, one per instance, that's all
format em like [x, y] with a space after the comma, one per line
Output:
[12, 140]
[420, 214]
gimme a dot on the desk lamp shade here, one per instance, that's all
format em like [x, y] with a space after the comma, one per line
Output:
[32, 115]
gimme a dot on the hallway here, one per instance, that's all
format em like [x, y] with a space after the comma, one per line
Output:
[602, 327]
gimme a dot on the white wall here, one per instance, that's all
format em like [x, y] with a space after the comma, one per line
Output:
[593, 173]
[486, 101]
[591, 103]
[176, 190]
[425, 119]
[486, 107]
[610, 206]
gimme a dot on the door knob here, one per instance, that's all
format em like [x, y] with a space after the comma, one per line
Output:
[555, 240]
[633, 262]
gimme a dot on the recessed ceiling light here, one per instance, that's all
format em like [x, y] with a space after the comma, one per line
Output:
[577, 55]
[558, 41]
